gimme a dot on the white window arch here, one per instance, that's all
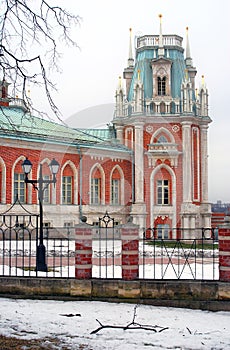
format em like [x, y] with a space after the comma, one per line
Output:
[97, 185]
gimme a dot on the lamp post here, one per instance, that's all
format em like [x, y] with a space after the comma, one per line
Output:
[40, 185]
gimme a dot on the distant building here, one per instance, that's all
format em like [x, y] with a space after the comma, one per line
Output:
[219, 212]
[150, 164]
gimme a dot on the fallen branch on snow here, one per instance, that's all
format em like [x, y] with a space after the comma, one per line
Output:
[131, 325]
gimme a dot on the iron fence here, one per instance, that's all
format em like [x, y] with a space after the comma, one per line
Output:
[193, 257]
[179, 258]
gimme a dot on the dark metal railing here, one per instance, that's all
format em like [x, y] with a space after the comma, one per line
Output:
[107, 249]
[180, 258]
[18, 244]
[191, 255]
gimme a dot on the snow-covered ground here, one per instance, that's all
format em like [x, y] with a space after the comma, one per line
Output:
[72, 322]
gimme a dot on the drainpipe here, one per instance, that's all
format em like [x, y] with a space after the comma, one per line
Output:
[133, 178]
[80, 183]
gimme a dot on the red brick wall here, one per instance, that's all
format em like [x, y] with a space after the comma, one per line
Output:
[10, 155]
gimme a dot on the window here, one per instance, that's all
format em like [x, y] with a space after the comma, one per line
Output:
[67, 189]
[162, 231]
[68, 224]
[161, 82]
[95, 190]
[162, 139]
[46, 194]
[162, 192]
[115, 192]
[19, 187]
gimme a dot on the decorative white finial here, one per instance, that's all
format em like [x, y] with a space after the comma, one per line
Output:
[188, 58]
[161, 47]
[130, 59]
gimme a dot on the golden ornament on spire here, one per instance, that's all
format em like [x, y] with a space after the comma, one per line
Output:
[119, 83]
[202, 80]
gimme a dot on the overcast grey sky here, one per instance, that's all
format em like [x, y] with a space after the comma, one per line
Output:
[90, 74]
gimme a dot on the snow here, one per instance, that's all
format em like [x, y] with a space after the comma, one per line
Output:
[187, 329]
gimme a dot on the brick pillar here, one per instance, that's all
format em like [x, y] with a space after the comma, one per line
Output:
[130, 251]
[83, 251]
[224, 251]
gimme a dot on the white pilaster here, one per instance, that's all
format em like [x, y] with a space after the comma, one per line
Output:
[187, 165]
[204, 162]
[139, 164]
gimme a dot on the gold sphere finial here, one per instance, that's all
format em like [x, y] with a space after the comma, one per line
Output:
[160, 15]
[187, 28]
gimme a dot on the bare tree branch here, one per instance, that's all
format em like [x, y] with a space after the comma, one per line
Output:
[30, 35]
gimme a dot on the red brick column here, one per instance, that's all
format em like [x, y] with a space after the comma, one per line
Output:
[130, 251]
[224, 252]
[83, 251]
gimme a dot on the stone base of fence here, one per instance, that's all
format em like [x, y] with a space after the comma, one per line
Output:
[83, 251]
[224, 252]
[206, 295]
[130, 251]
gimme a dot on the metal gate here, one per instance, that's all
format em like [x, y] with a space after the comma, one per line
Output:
[107, 249]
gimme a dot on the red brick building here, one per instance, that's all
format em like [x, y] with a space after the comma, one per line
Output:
[151, 164]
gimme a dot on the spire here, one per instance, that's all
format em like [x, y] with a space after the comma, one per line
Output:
[130, 59]
[188, 60]
[161, 51]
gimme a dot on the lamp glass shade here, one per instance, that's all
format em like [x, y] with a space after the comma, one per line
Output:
[26, 166]
[54, 166]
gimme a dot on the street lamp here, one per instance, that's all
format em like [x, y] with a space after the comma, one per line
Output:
[40, 185]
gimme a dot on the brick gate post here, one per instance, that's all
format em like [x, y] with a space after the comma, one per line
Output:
[83, 251]
[224, 251]
[130, 251]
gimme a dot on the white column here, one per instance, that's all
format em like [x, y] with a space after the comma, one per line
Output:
[204, 162]
[139, 164]
[187, 165]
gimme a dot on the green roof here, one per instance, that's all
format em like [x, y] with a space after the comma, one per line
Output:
[18, 124]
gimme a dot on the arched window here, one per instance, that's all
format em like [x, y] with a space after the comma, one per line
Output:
[46, 177]
[19, 184]
[116, 188]
[161, 84]
[96, 187]
[163, 187]
[67, 185]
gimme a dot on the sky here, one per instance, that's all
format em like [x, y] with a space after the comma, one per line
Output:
[71, 323]
[90, 73]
